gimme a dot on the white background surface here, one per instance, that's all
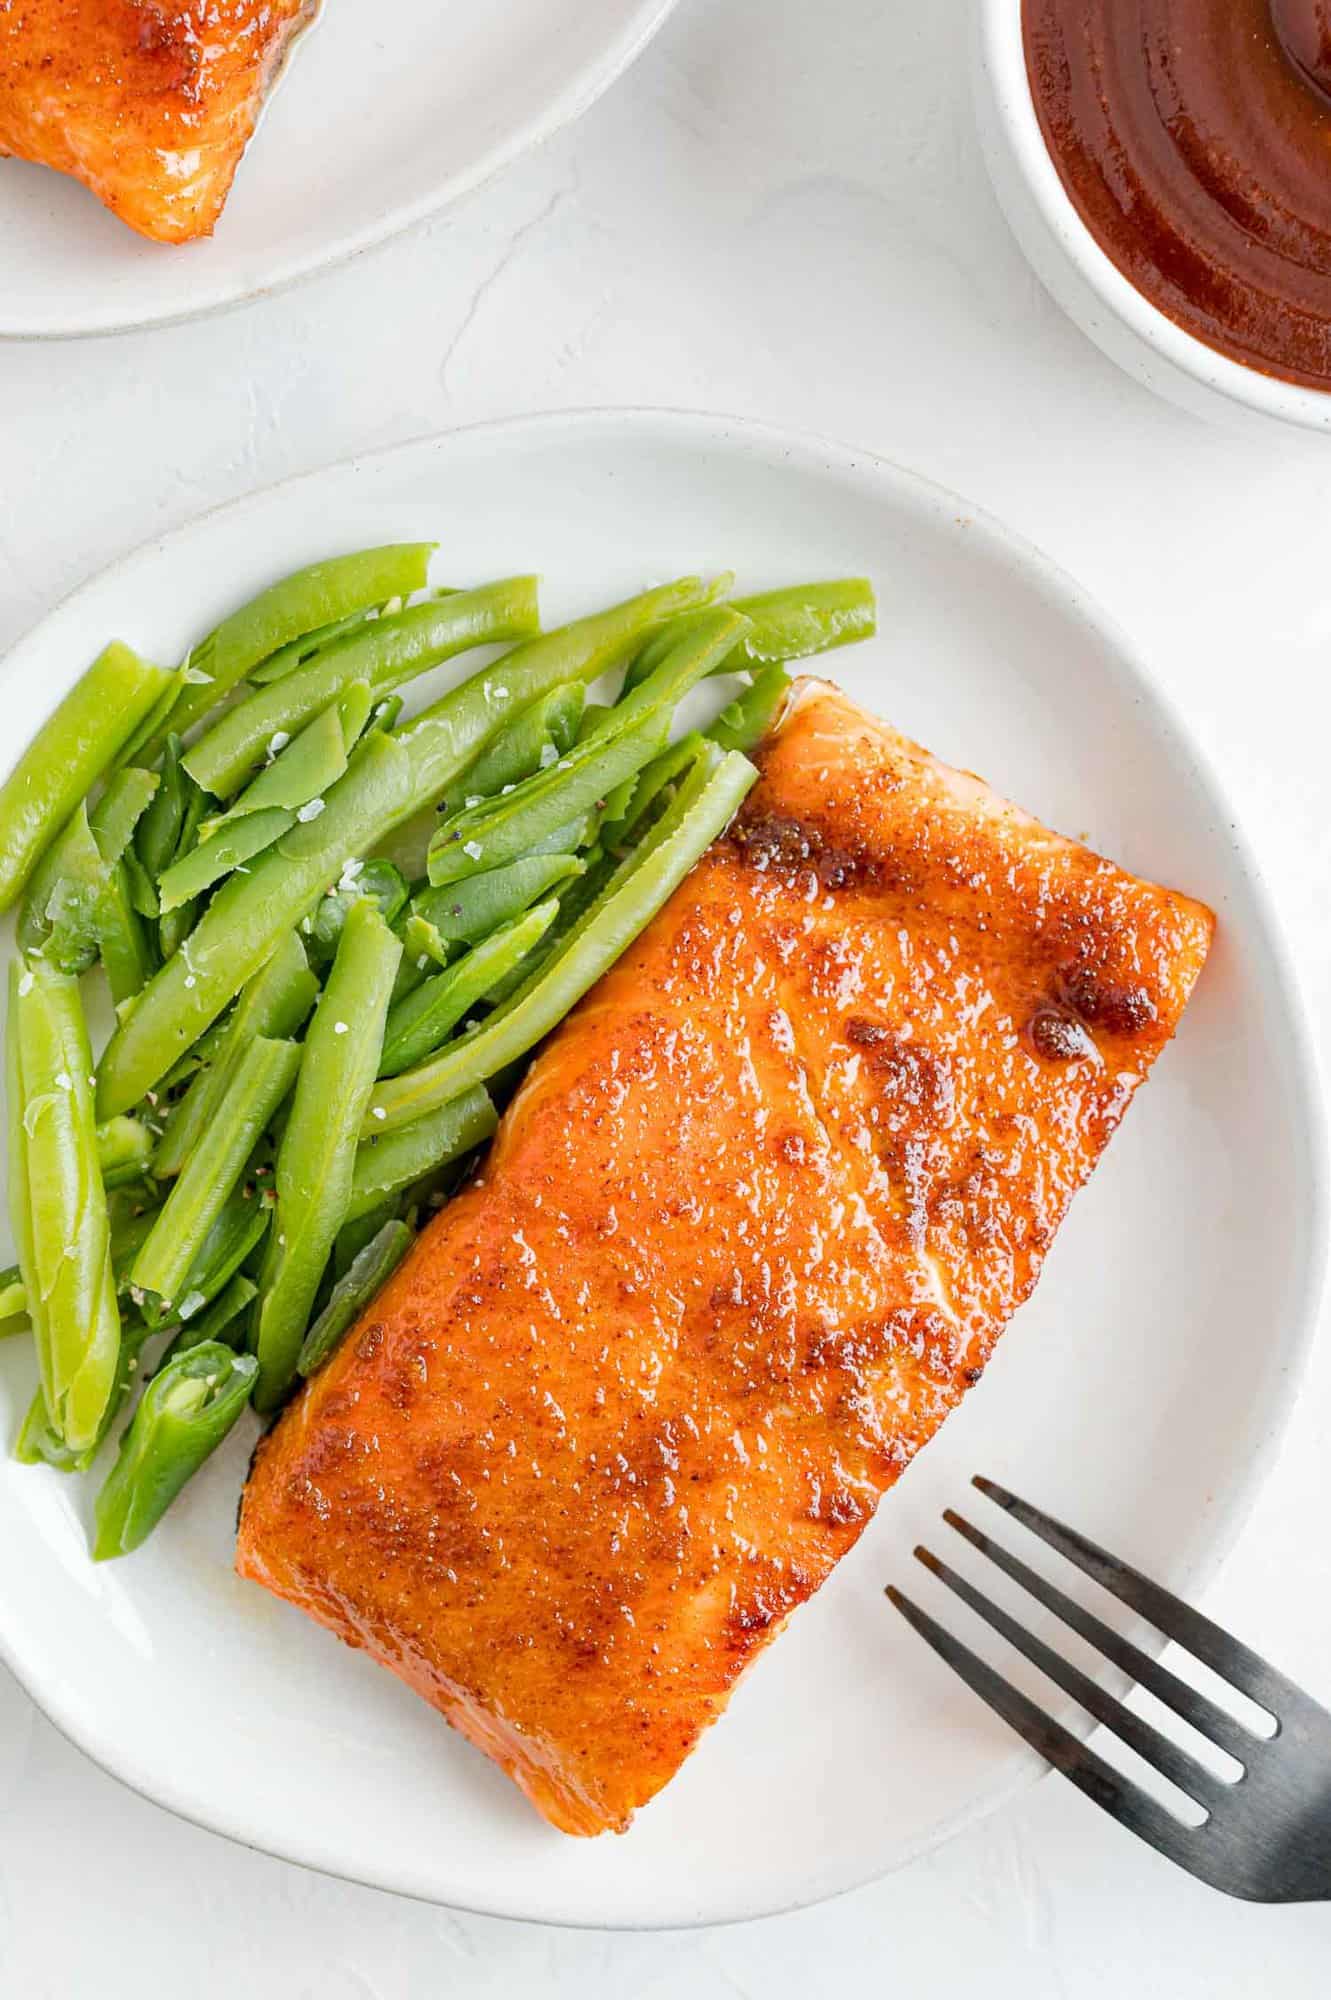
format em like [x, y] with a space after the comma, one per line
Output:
[782, 213]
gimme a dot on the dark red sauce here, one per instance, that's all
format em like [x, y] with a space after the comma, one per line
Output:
[1194, 137]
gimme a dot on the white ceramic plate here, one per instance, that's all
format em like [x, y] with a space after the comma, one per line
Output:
[1139, 1393]
[388, 113]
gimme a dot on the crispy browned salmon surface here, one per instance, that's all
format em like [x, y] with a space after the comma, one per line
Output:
[149, 104]
[747, 1234]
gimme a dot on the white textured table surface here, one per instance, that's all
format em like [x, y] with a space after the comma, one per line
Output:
[781, 213]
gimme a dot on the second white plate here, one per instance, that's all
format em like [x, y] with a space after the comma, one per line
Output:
[1138, 1394]
[389, 112]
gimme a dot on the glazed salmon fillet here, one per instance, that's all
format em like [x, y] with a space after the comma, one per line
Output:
[149, 104]
[749, 1231]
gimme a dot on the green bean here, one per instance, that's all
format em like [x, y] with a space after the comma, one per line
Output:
[246, 918]
[703, 807]
[236, 1233]
[422, 944]
[68, 755]
[275, 1003]
[174, 925]
[390, 778]
[420, 1023]
[536, 737]
[787, 624]
[124, 1149]
[654, 782]
[369, 1272]
[747, 719]
[309, 765]
[300, 606]
[353, 1236]
[236, 843]
[58, 915]
[385, 652]
[379, 881]
[465, 912]
[184, 1414]
[63, 1235]
[39, 1443]
[260, 1081]
[158, 834]
[447, 737]
[317, 1158]
[387, 1165]
[13, 1295]
[499, 830]
[385, 713]
[131, 1221]
[222, 1320]
[287, 658]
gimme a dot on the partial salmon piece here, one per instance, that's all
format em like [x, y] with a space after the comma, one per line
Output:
[747, 1234]
[148, 104]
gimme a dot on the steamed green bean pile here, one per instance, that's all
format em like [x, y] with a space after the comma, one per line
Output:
[329, 937]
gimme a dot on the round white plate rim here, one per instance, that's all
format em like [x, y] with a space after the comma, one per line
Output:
[577, 97]
[813, 453]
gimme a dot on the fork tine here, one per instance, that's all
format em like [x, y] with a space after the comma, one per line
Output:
[1139, 1735]
[1197, 1709]
[1118, 1796]
[1234, 1662]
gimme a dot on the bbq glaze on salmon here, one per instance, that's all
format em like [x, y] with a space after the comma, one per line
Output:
[749, 1231]
[149, 104]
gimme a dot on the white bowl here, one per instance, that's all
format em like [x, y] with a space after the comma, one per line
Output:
[1076, 271]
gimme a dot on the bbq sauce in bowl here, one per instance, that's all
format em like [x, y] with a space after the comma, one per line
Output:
[1194, 139]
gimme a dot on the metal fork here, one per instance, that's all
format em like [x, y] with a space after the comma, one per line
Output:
[1267, 1834]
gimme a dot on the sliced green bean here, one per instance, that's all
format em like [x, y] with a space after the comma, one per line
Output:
[262, 1078]
[303, 769]
[58, 915]
[63, 1237]
[158, 833]
[537, 736]
[419, 1024]
[377, 881]
[702, 809]
[237, 842]
[124, 1150]
[275, 1003]
[301, 605]
[247, 917]
[63, 762]
[39, 1443]
[788, 624]
[385, 652]
[387, 1165]
[499, 830]
[465, 912]
[746, 720]
[237, 1232]
[183, 1415]
[316, 1162]
[369, 1272]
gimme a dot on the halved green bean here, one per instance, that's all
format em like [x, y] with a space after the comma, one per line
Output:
[702, 809]
[387, 1165]
[534, 738]
[184, 1414]
[499, 830]
[157, 836]
[447, 737]
[419, 1024]
[68, 755]
[746, 720]
[261, 1080]
[63, 1236]
[377, 881]
[174, 925]
[322, 594]
[788, 624]
[308, 766]
[274, 1003]
[246, 918]
[39, 1443]
[385, 652]
[369, 1272]
[467, 911]
[316, 1162]
[237, 842]
[239, 1228]
[124, 1150]
[653, 782]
